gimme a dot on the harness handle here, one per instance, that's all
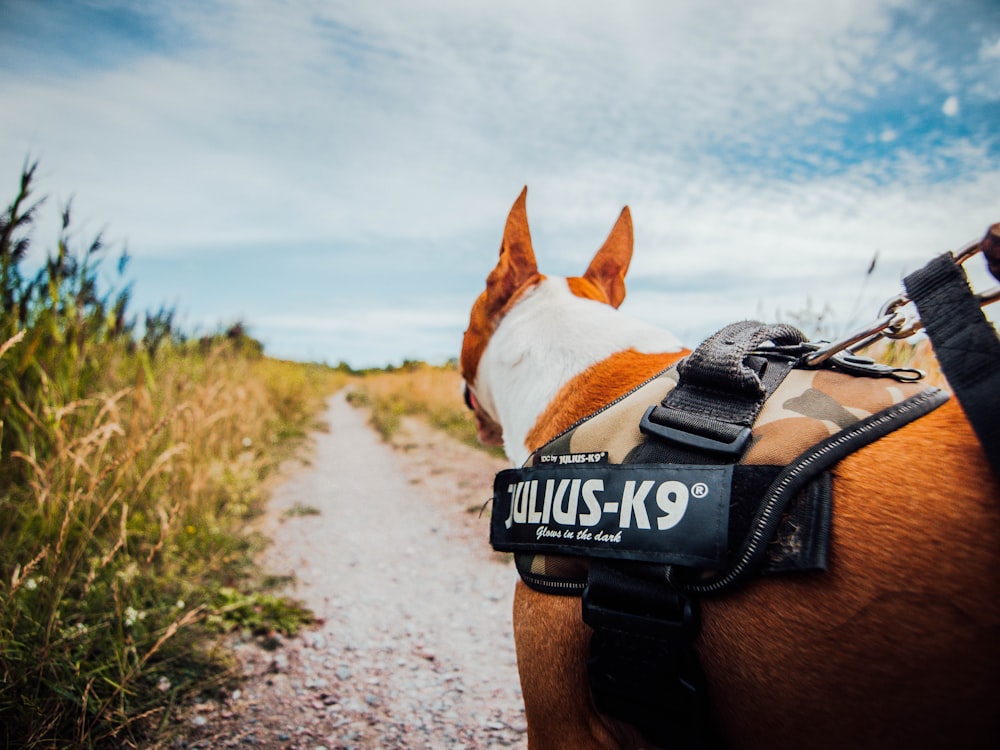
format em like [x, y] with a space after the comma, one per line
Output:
[719, 361]
[722, 387]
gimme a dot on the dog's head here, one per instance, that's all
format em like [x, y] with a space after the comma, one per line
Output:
[517, 272]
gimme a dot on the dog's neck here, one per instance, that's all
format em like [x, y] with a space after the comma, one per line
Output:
[546, 339]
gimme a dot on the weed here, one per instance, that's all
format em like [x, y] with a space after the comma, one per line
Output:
[299, 509]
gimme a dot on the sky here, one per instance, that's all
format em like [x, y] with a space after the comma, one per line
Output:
[336, 175]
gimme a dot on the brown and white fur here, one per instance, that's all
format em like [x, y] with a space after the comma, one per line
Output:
[896, 646]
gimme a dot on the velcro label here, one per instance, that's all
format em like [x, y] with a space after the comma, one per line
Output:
[670, 514]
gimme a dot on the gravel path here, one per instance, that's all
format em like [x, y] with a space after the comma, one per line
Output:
[415, 648]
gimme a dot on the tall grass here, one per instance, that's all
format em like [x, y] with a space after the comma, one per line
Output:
[129, 469]
[431, 392]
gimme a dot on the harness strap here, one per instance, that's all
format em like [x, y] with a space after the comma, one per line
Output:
[643, 666]
[966, 345]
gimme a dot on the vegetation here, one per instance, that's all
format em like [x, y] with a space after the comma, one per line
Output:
[131, 460]
[433, 393]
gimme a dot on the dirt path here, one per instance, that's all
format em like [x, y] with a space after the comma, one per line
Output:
[415, 649]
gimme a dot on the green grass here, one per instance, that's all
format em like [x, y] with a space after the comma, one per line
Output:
[130, 468]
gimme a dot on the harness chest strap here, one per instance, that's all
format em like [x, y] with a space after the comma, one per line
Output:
[643, 667]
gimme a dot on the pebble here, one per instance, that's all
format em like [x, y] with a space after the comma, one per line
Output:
[279, 663]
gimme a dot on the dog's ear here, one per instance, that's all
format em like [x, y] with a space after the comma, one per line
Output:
[607, 269]
[517, 266]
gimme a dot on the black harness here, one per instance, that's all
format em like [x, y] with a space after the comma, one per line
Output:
[684, 516]
[965, 342]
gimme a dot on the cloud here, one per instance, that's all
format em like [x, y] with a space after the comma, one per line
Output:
[990, 50]
[773, 144]
[331, 115]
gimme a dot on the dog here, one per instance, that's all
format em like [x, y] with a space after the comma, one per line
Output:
[896, 645]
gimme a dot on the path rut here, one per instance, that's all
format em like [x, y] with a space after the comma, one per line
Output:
[387, 547]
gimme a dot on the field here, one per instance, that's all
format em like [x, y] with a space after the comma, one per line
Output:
[130, 469]
[433, 393]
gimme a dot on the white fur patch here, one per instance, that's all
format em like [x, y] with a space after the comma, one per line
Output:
[549, 337]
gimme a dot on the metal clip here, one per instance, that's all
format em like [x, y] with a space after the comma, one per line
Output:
[857, 365]
[898, 319]
[854, 341]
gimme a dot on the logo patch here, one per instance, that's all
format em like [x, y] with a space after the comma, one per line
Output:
[671, 514]
[567, 459]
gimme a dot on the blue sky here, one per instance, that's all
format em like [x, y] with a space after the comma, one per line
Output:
[337, 174]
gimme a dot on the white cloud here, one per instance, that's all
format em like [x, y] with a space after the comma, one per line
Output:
[381, 126]
[321, 120]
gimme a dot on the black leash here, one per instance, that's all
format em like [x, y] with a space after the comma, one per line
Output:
[964, 341]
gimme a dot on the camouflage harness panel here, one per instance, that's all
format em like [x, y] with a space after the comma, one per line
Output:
[809, 408]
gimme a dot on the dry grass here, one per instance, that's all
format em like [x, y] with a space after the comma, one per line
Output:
[129, 468]
[124, 542]
[430, 392]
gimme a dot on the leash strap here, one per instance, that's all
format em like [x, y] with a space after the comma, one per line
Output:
[965, 343]
[643, 666]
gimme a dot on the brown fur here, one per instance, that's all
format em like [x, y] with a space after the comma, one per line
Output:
[587, 393]
[896, 646]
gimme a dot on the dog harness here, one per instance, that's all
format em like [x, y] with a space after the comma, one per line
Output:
[657, 479]
[715, 470]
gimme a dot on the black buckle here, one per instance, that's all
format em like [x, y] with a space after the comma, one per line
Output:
[643, 668]
[687, 439]
[685, 624]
